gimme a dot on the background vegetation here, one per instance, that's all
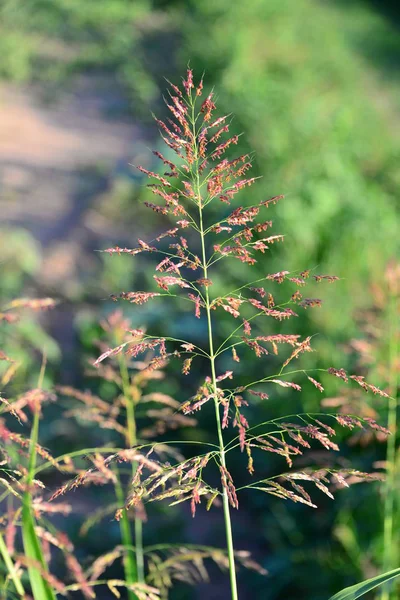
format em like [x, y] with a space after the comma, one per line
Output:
[314, 87]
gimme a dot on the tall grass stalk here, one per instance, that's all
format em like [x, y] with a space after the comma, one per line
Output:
[390, 552]
[134, 559]
[129, 562]
[37, 567]
[225, 499]
[13, 574]
[202, 175]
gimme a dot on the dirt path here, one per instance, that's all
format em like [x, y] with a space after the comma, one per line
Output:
[51, 154]
[56, 160]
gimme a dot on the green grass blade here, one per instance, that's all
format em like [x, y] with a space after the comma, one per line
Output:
[11, 568]
[130, 567]
[41, 588]
[358, 590]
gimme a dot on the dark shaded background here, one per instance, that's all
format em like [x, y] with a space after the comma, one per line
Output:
[314, 86]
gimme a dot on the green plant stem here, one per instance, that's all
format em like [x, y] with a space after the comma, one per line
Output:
[11, 568]
[130, 406]
[130, 568]
[139, 549]
[390, 483]
[225, 499]
[135, 570]
[41, 589]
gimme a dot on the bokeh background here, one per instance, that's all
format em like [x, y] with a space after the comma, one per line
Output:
[314, 86]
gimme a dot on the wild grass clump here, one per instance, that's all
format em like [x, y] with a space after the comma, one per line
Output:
[139, 465]
[375, 353]
[197, 175]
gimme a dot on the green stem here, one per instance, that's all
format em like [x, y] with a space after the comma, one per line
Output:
[139, 549]
[388, 542]
[130, 406]
[225, 499]
[132, 441]
[41, 589]
[131, 574]
[11, 568]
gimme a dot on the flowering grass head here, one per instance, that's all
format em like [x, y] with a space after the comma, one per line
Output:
[196, 193]
[197, 171]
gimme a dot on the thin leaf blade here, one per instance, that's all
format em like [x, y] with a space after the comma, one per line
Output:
[40, 587]
[359, 589]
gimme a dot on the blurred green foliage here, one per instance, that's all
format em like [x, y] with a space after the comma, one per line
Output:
[48, 42]
[310, 106]
[313, 86]
[25, 340]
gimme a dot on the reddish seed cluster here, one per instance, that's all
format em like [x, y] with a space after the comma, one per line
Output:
[227, 483]
[36, 304]
[310, 302]
[166, 282]
[341, 374]
[200, 152]
[329, 278]
[315, 383]
[300, 348]
[135, 297]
